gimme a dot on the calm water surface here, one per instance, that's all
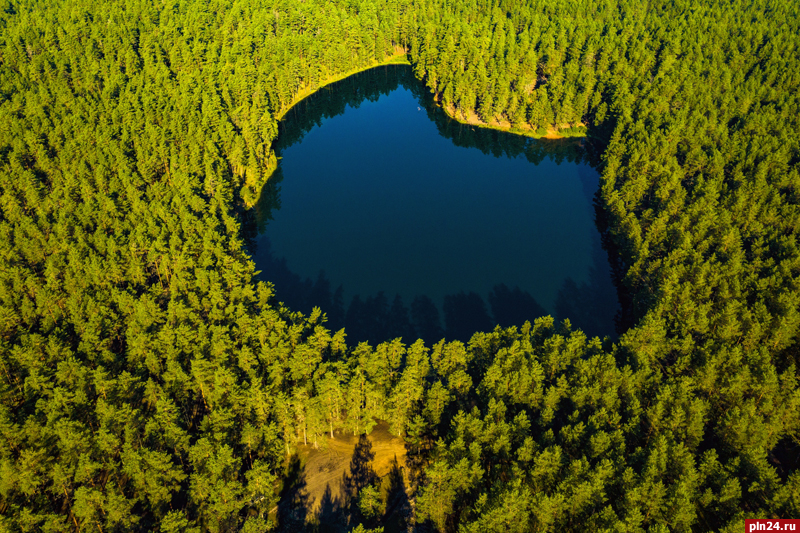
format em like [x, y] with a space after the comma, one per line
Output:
[398, 221]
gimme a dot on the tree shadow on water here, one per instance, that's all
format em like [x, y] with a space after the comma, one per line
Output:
[425, 320]
[513, 307]
[464, 314]
[592, 307]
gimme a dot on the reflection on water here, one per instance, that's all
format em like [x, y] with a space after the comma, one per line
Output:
[400, 222]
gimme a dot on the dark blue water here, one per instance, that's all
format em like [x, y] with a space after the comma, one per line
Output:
[425, 226]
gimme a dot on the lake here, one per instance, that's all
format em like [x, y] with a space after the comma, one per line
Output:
[398, 221]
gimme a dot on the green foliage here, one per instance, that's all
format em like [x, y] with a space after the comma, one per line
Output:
[698, 127]
[361, 529]
[369, 502]
[148, 383]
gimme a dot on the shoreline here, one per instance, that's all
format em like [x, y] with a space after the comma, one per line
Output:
[398, 58]
[552, 134]
[401, 58]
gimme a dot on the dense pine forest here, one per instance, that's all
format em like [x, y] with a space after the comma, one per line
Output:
[150, 382]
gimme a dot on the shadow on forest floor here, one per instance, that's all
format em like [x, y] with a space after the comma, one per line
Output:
[323, 485]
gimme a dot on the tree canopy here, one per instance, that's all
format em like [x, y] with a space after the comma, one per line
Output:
[150, 383]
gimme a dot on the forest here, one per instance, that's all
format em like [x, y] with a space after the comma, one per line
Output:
[151, 381]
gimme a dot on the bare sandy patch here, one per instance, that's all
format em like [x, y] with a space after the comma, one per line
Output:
[326, 468]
